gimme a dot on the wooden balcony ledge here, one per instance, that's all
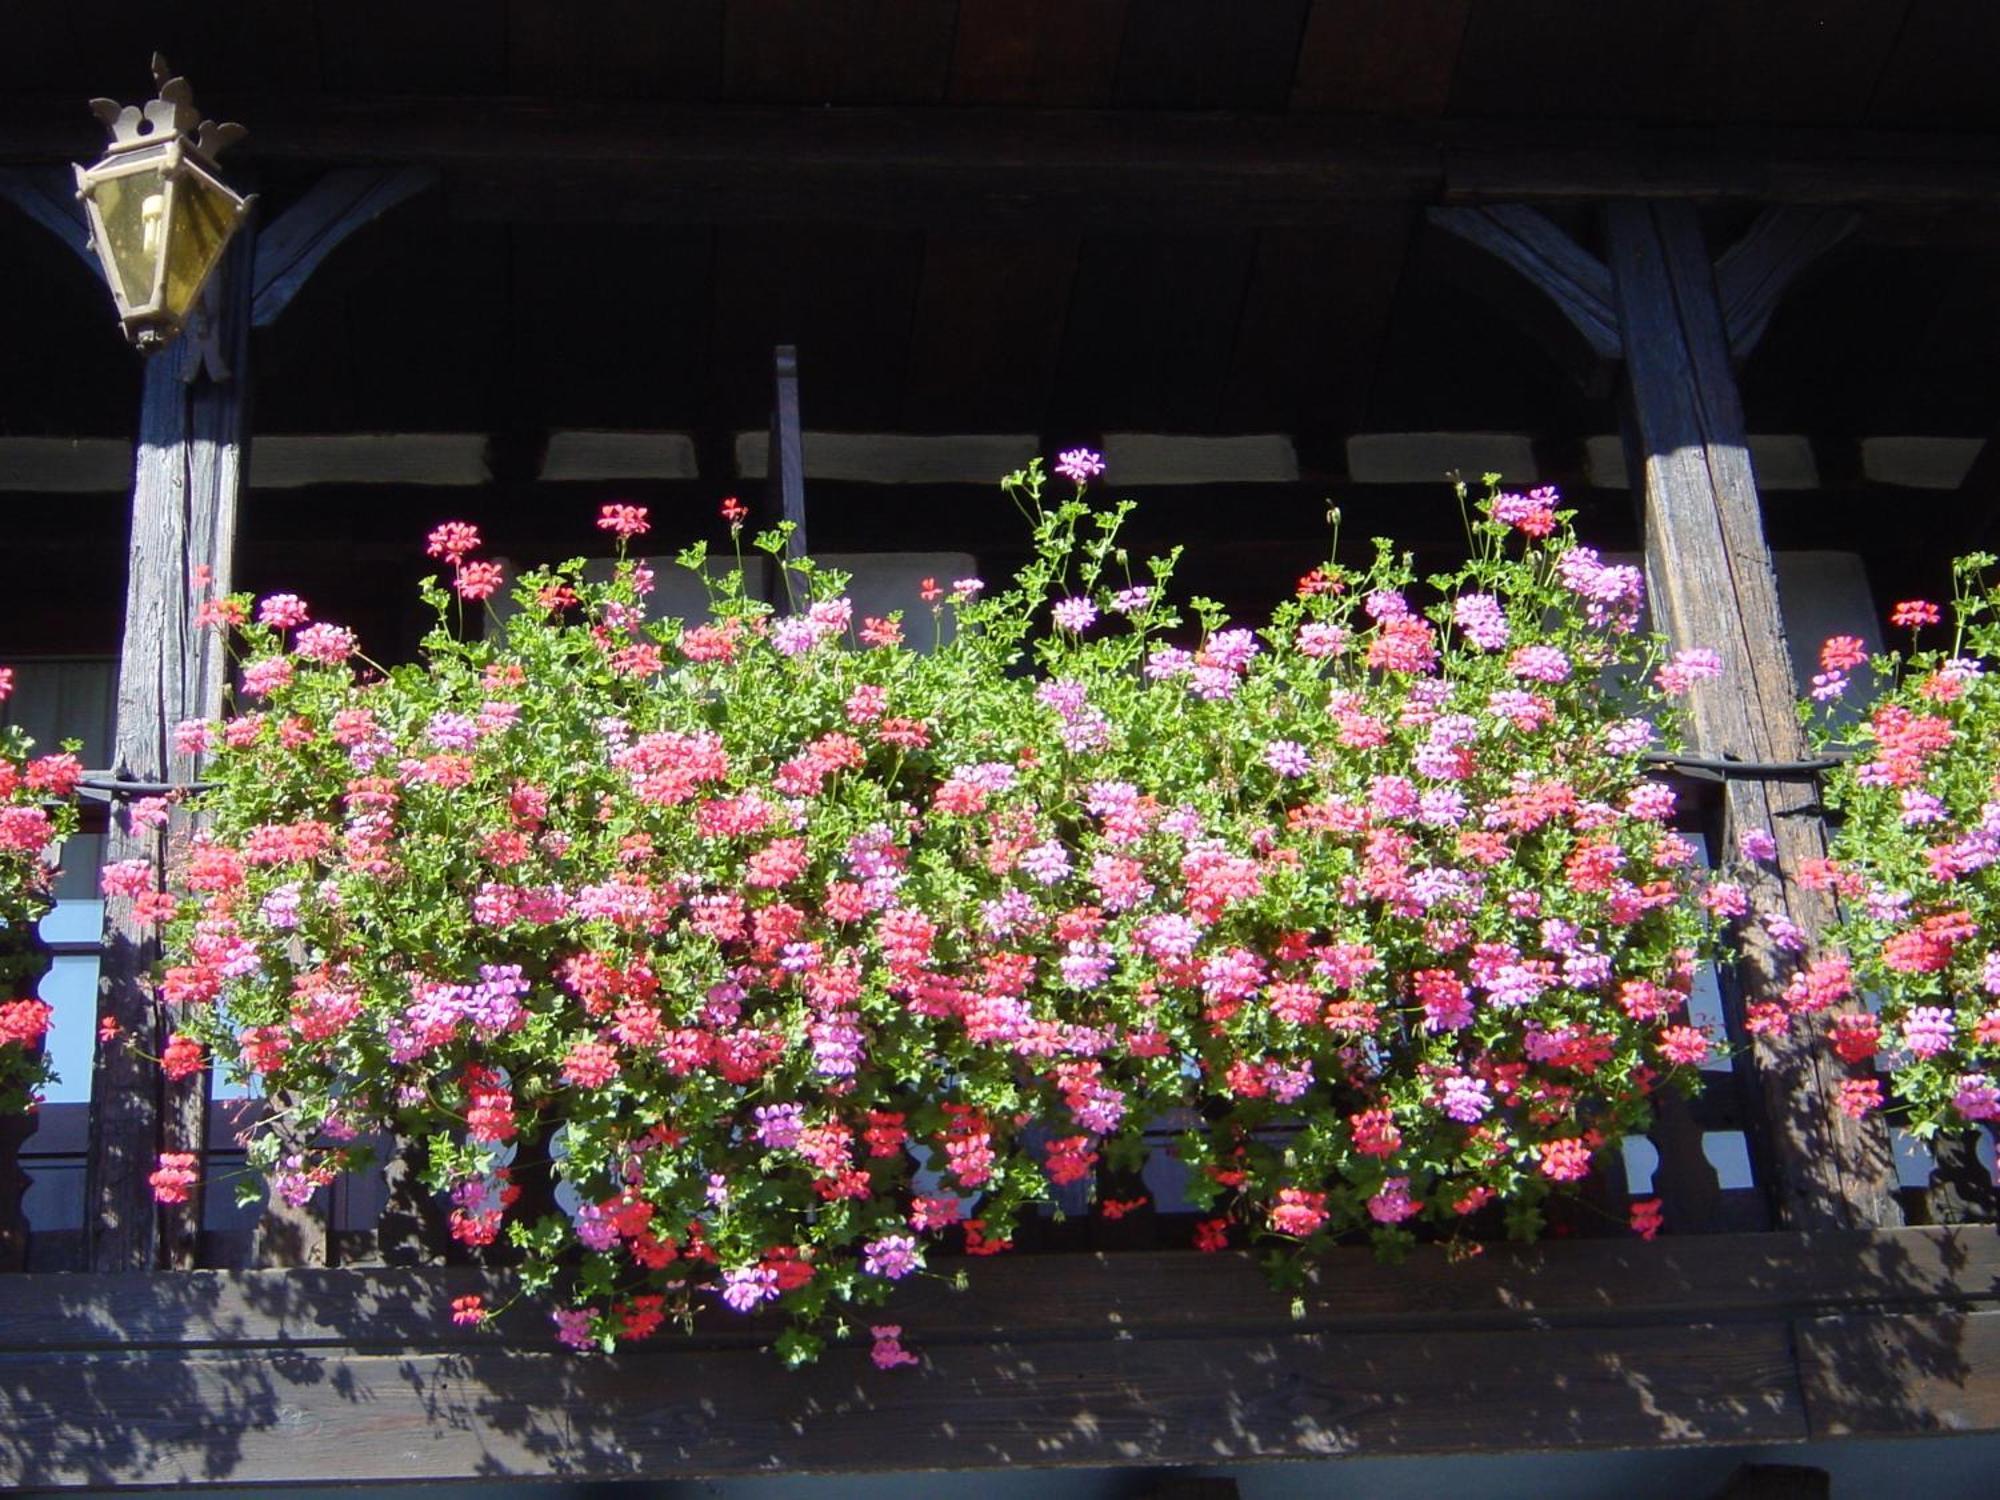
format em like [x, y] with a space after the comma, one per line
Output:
[1154, 1358]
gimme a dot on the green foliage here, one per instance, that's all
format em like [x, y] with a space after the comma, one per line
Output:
[799, 952]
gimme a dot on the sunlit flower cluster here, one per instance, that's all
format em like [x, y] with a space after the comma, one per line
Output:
[37, 811]
[1916, 864]
[756, 962]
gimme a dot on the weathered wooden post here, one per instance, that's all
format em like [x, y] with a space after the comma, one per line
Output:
[194, 435]
[1677, 320]
[1712, 582]
[193, 453]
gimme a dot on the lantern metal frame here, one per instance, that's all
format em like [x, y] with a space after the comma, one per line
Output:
[169, 141]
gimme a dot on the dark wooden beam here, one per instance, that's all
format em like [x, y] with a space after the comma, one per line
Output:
[1897, 1373]
[1751, 275]
[313, 228]
[1553, 263]
[1517, 260]
[603, 161]
[1713, 585]
[1825, 167]
[1554, 1284]
[1218, 1399]
[48, 196]
[1141, 1358]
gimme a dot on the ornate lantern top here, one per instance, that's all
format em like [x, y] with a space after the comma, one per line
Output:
[172, 113]
[160, 216]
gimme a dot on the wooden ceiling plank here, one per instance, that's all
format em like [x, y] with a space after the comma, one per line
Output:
[1392, 57]
[1589, 59]
[393, 47]
[1941, 70]
[1801, 61]
[1060, 53]
[838, 51]
[1210, 54]
[777, 51]
[648, 49]
[606, 160]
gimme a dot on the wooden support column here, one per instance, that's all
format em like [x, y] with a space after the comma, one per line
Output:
[194, 432]
[1676, 323]
[1712, 583]
[193, 446]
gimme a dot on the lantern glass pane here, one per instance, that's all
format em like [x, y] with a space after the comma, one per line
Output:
[133, 208]
[202, 217]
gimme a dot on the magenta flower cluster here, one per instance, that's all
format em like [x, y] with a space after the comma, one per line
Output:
[1915, 865]
[792, 957]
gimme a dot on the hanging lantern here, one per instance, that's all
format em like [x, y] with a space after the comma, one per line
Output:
[160, 217]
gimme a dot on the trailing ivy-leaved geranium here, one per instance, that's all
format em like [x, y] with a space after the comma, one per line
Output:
[1916, 860]
[36, 814]
[801, 955]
